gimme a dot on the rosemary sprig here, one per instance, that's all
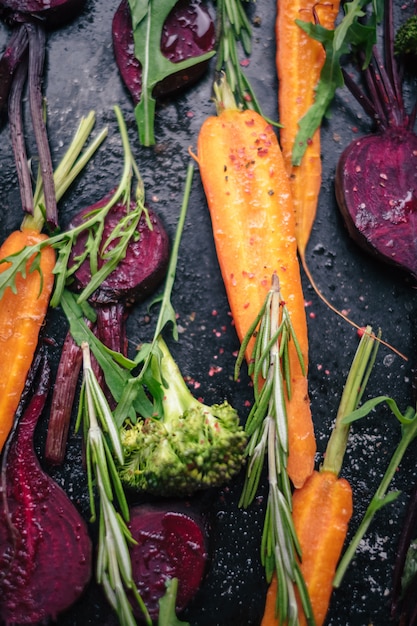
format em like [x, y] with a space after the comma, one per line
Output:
[113, 569]
[268, 439]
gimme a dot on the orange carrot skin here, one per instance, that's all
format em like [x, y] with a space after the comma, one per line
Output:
[299, 61]
[250, 204]
[321, 512]
[21, 317]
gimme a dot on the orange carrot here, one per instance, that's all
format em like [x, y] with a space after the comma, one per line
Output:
[250, 204]
[299, 61]
[22, 314]
[322, 508]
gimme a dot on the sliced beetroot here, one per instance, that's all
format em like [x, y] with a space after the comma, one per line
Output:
[45, 550]
[376, 192]
[189, 31]
[51, 12]
[171, 543]
[376, 176]
[139, 272]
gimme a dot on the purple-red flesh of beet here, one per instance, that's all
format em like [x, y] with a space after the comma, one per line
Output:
[171, 543]
[51, 13]
[377, 195]
[189, 31]
[376, 176]
[45, 549]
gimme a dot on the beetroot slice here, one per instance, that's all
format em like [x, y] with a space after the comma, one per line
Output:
[139, 272]
[53, 13]
[170, 544]
[45, 550]
[188, 32]
[376, 190]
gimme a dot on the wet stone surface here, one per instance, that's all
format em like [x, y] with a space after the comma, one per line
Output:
[81, 75]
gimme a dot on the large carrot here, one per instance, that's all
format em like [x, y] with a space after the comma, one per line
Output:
[299, 61]
[322, 508]
[251, 208]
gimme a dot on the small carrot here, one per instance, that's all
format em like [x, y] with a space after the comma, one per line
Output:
[299, 61]
[22, 313]
[250, 204]
[322, 508]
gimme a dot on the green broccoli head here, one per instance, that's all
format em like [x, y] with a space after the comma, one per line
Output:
[405, 42]
[189, 447]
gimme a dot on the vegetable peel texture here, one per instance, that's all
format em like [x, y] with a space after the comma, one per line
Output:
[251, 208]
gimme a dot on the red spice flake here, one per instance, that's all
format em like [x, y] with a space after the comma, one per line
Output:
[246, 305]
[308, 303]
[319, 367]
[361, 331]
[155, 198]
[248, 274]
[265, 282]
[312, 315]
[215, 369]
[250, 122]
[190, 114]
[247, 403]
[214, 312]
[358, 169]
[245, 63]
[354, 129]
[235, 353]
[221, 351]
[216, 333]
[247, 97]
[262, 152]
[327, 372]
[309, 141]
[224, 329]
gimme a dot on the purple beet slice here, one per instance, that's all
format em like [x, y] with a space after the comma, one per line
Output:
[171, 543]
[188, 32]
[376, 176]
[45, 549]
[377, 195]
[51, 12]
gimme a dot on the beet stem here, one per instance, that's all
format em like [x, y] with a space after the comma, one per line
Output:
[9, 62]
[37, 37]
[17, 137]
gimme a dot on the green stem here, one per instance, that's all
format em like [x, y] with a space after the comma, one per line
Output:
[355, 384]
[67, 171]
[409, 432]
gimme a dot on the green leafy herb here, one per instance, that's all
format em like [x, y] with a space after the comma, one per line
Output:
[267, 428]
[382, 496]
[167, 615]
[114, 568]
[148, 17]
[349, 33]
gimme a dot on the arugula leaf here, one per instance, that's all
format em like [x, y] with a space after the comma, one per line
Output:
[338, 42]
[148, 17]
[167, 615]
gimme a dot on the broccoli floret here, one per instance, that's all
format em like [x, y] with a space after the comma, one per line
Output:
[187, 447]
[405, 42]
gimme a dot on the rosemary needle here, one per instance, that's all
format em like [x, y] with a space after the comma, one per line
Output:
[268, 440]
